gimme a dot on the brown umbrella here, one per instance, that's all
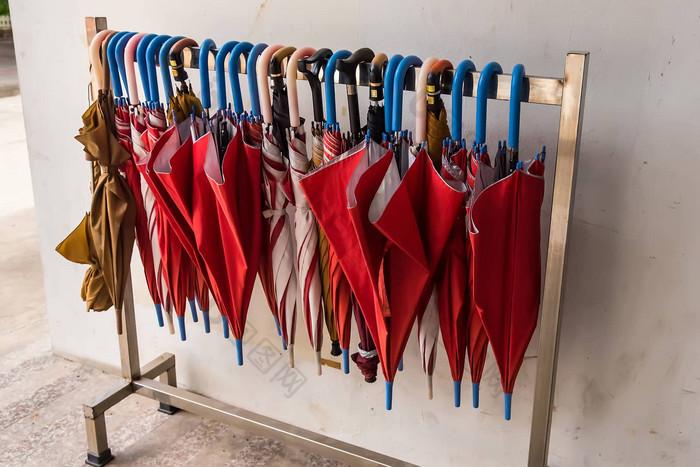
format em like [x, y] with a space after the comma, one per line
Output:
[108, 233]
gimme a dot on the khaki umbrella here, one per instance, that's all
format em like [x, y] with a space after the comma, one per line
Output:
[106, 236]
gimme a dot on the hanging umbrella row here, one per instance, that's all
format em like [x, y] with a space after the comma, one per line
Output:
[380, 223]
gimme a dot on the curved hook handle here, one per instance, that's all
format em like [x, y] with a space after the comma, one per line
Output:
[317, 62]
[242, 48]
[399, 81]
[204, 50]
[153, 49]
[129, 68]
[376, 90]
[347, 66]
[389, 73]
[422, 99]
[163, 61]
[292, 95]
[329, 83]
[176, 63]
[251, 68]
[96, 58]
[220, 72]
[112, 61]
[458, 95]
[143, 63]
[119, 55]
[274, 68]
[482, 91]
[263, 88]
[516, 97]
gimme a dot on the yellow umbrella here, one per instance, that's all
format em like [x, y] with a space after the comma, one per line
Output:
[105, 237]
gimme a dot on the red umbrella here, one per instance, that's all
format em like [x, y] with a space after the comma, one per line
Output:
[277, 196]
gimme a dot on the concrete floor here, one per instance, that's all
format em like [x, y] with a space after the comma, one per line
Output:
[41, 395]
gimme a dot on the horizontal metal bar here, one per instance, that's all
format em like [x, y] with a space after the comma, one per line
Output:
[158, 366]
[536, 89]
[262, 425]
[114, 395]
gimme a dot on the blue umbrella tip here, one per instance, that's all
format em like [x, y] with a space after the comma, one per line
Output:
[239, 351]
[181, 325]
[475, 395]
[224, 321]
[401, 364]
[193, 309]
[159, 314]
[508, 398]
[457, 385]
[207, 326]
[389, 394]
[346, 361]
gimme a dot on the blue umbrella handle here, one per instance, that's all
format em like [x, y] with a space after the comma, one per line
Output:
[181, 325]
[221, 73]
[207, 325]
[508, 399]
[153, 48]
[457, 96]
[159, 314]
[481, 98]
[253, 78]
[389, 394]
[516, 98]
[112, 60]
[242, 48]
[119, 54]
[457, 388]
[143, 64]
[204, 50]
[389, 88]
[329, 83]
[475, 395]
[165, 66]
[399, 82]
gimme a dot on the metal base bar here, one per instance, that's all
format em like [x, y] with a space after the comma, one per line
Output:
[172, 399]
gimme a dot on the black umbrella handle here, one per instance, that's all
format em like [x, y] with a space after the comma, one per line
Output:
[347, 68]
[275, 66]
[317, 62]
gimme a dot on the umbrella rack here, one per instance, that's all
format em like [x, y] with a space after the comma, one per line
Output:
[157, 379]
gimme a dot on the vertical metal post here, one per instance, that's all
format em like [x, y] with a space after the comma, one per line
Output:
[570, 123]
[169, 378]
[99, 453]
[128, 343]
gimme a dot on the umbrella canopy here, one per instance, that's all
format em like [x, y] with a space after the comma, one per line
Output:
[111, 235]
[344, 302]
[277, 198]
[305, 228]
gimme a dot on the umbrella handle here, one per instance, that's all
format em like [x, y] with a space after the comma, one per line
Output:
[143, 63]
[151, 52]
[96, 59]
[204, 50]
[317, 61]
[129, 69]
[263, 88]
[220, 73]
[482, 91]
[242, 48]
[457, 96]
[292, 95]
[347, 68]
[376, 90]
[112, 62]
[329, 84]
[274, 68]
[399, 82]
[163, 56]
[391, 67]
[516, 98]
[119, 56]
[251, 66]
[422, 99]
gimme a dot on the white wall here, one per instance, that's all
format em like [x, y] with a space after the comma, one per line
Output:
[629, 377]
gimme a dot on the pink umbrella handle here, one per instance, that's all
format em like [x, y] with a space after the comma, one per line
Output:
[292, 94]
[129, 65]
[422, 100]
[263, 86]
[96, 60]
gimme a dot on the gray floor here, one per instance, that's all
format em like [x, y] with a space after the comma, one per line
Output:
[41, 395]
